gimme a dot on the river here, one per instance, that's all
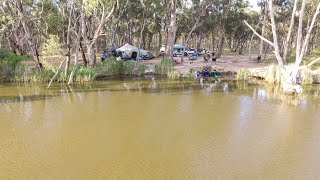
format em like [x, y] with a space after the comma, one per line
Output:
[158, 129]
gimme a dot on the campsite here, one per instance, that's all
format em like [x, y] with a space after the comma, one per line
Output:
[159, 89]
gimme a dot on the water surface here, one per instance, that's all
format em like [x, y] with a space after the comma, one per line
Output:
[145, 129]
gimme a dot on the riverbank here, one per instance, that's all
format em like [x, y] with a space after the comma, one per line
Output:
[230, 65]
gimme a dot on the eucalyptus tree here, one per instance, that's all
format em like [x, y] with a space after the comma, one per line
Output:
[92, 11]
[172, 28]
[302, 39]
[195, 14]
[24, 25]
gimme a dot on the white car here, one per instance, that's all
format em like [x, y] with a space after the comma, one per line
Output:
[191, 52]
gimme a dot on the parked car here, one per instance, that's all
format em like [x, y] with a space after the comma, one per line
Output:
[191, 52]
[105, 55]
[177, 54]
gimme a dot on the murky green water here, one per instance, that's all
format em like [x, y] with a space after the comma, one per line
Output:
[148, 129]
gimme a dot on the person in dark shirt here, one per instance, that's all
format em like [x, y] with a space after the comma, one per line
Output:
[214, 58]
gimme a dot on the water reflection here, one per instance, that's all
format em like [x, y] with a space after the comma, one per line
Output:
[148, 129]
[260, 92]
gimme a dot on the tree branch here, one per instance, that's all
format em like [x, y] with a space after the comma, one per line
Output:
[313, 62]
[261, 37]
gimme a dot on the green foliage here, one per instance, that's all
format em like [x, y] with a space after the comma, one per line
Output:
[116, 68]
[41, 76]
[307, 76]
[141, 69]
[23, 73]
[9, 64]
[190, 75]
[243, 74]
[312, 57]
[85, 74]
[291, 56]
[273, 74]
[173, 75]
[164, 67]
[9, 58]
[52, 46]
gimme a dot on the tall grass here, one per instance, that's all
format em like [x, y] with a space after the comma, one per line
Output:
[116, 68]
[164, 67]
[243, 74]
[173, 75]
[85, 74]
[274, 75]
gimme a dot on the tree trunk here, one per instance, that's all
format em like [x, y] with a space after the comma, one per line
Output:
[93, 34]
[172, 29]
[160, 39]
[265, 15]
[68, 43]
[141, 38]
[84, 59]
[286, 44]
[78, 42]
[91, 55]
[221, 42]
[212, 40]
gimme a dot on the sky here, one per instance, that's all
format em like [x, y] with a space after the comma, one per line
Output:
[253, 3]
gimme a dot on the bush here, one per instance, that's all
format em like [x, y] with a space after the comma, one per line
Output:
[7, 57]
[190, 75]
[164, 67]
[141, 69]
[52, 46]
[116, 68]
[316, 53]
[9, 62]
[274, 75]
[312, 57]
[173, 75]
[85, 74]
[243, 74]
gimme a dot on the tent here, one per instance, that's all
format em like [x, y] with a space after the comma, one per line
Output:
[132, 51]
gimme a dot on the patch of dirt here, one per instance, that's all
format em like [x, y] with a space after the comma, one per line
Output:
[229, 63]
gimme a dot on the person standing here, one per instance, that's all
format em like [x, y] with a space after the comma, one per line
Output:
[214, 58]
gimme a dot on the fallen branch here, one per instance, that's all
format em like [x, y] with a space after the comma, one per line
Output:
[72, 74]
[261, 37]
[57, 73]
[313, 62]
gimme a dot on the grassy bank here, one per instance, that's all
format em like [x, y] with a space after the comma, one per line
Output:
[14, 69]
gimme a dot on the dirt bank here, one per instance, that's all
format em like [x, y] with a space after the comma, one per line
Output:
[230, 63]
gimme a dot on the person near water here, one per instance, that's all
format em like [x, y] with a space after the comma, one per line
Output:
[205, 57]
[214, 58]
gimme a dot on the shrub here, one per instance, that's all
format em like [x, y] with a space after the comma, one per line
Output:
[190, 75]
[9, 62]
[53, 46]
[85, 74]
[312, 57]
[9, 58]
[116, 68]
[141, 69]
[173, 75]
[164, 67]
[243, 74]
